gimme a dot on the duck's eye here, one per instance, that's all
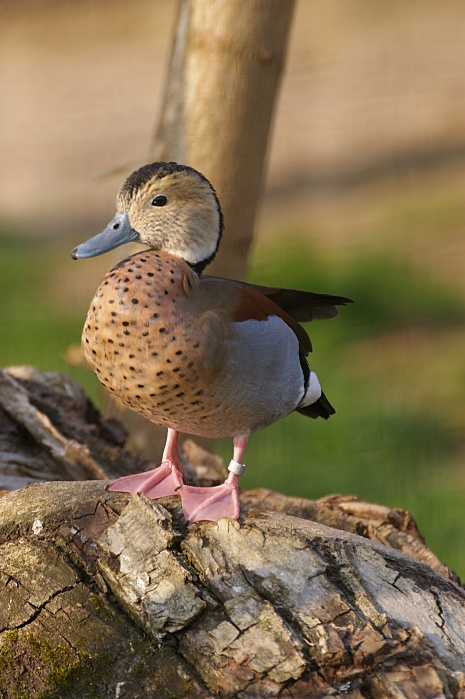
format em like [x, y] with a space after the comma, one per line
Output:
[159, 200]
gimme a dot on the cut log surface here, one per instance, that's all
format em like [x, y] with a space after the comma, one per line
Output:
[107, 595]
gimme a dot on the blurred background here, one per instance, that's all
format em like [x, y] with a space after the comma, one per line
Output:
[364, 197]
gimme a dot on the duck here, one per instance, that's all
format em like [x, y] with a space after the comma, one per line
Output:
[198, 354]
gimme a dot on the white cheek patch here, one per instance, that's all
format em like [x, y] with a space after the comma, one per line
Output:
[196, 239]
[313, 392]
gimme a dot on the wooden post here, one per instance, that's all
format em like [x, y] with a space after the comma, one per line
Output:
[220, 91]
[221, 86]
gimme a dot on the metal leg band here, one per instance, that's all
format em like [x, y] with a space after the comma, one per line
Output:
[236, 468]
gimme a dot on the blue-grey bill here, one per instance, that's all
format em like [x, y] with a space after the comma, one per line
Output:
[118, 232]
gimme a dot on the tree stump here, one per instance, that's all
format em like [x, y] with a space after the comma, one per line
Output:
[107, 595]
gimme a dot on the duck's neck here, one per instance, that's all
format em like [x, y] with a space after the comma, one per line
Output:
[198, 267]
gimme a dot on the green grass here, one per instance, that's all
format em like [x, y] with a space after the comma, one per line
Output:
[391, 364]
[38, 322]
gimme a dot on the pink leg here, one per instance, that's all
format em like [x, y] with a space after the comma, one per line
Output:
[218, 501]
[160, 482]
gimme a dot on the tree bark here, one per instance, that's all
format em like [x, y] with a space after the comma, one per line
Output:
[102, 594]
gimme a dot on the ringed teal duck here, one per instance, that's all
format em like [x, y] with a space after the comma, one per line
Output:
[209, 356]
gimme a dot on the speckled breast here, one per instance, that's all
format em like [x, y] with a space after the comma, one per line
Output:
[141, 341]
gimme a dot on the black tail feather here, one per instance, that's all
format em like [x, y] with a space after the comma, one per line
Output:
[321, 408]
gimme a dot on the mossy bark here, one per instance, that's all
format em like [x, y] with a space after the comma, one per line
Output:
[102, 594]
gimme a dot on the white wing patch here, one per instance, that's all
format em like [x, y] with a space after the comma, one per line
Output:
[313, 392]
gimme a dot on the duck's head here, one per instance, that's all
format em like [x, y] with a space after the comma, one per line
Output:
[168, 207]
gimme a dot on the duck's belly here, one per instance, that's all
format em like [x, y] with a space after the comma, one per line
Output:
[147, 350]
